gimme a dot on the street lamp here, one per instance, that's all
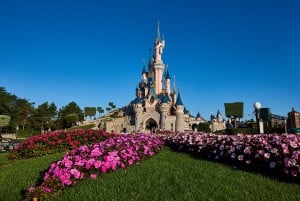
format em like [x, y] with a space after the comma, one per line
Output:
[17, 129]
[285, 125]
[257, 106]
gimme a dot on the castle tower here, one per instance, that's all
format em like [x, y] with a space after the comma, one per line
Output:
[138, 110]
[159, 44]
[179, 123]
[164, 108]
[168, 82]
[219, 117]
[144, 73]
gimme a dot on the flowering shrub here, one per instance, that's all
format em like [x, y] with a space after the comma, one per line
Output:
[54, 142]
[88, 161]
[281, 152]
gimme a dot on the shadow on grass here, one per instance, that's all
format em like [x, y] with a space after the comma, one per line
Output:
[257, 168]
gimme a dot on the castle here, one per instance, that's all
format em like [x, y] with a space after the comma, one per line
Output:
[155, 106]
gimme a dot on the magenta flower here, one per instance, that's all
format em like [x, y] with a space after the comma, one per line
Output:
[93, 176]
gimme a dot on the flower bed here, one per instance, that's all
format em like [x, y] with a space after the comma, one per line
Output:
[88, 161]
[280, 152]
[54, 142]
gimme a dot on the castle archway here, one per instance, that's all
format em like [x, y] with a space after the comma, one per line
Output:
[151, 125]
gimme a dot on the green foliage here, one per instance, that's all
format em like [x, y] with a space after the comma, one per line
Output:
[72, 118]
[90, 111]
[100, 110]
[235, 110]
[4, 120]
[71, 108]
[203, 127]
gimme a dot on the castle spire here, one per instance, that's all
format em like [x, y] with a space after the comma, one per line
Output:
[158, 31]
[167, 74]
[144, 70]
[174, 89]
[179, 101]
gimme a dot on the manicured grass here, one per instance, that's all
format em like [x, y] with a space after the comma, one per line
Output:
[16, 176]
[166, 176]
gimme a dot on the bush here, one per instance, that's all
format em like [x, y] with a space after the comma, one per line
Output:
[54, 142]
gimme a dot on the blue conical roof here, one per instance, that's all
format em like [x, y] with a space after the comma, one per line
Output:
[137, 100]
[198, 115]
[168, 75]
[164, 99]
[179, 101]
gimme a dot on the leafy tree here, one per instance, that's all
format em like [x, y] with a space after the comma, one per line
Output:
[45, 114]
[24, 110]
[100, 110]
[90, 111]
[108, 109]
[111, 106]
[4, 121]
[204, 127]
[71, 108]
[72, 118]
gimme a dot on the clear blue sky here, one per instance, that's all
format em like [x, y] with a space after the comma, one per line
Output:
[90, 52]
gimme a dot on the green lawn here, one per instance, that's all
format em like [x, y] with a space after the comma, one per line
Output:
[166, 176]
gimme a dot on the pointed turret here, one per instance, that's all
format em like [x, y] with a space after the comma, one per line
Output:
[198, 116]
[144, 73]
[179, 123]
[179, 101]
[167, 81]
[158, 32]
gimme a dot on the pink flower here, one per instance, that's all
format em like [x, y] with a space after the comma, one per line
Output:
[75, 172]
[97, 164]
[241, 157]
[267, 155]
[93, 176]
[96, 152]
[294, 173]
[103, 169]
[47, 189]
[68, 163]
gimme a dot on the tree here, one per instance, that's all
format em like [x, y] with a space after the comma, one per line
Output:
[112, 105]
[4, 121]
[24, 110]
[108, 109]
[90, 111]
[100, 110]
[203, 127]
[45, 114]
[71, 108]
[72, 118]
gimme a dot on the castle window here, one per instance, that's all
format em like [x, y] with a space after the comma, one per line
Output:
[172, 127]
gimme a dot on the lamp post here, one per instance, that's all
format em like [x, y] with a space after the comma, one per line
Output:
[285, 125]
[17, 129]
[257, 106]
